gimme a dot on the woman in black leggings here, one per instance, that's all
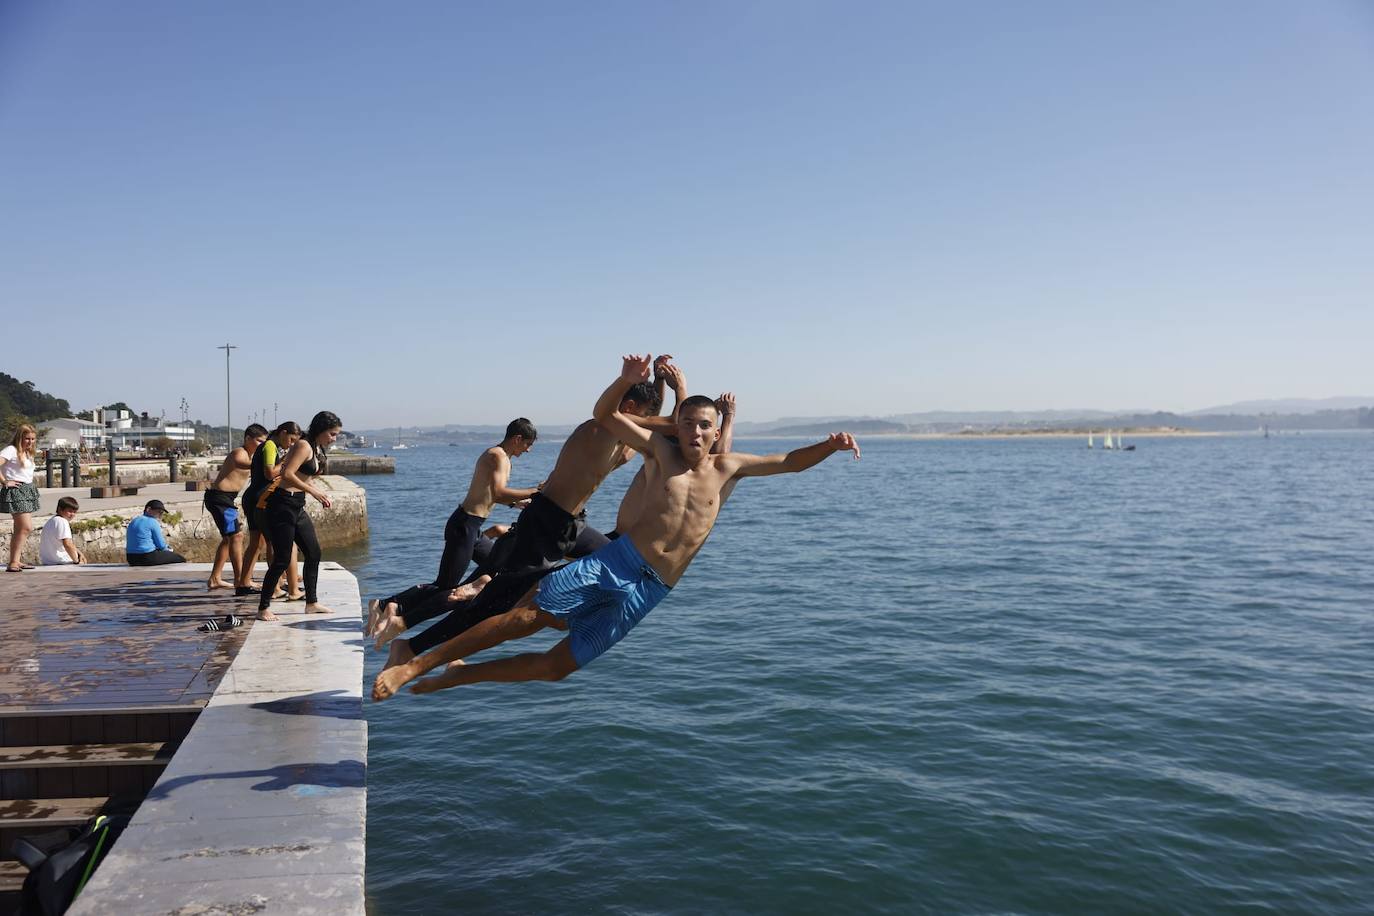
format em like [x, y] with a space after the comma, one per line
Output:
[287, 521]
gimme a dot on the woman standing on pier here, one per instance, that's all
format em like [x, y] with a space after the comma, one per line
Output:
[19, 497]
[287, 521]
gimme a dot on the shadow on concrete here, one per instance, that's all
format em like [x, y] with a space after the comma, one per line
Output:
[161, 595]
[332, 625]
[346, 774]
[332, 704]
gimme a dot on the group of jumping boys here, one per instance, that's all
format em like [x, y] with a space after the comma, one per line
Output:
[550, 570]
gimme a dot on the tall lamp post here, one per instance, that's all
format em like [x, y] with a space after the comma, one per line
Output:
[228, 413]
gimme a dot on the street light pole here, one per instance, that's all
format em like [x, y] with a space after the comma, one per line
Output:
[228, 412]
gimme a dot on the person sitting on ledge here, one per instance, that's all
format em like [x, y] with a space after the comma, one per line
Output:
[56, 546]
[144, 544]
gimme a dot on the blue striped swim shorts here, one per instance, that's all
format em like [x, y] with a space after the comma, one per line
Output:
[601, 596]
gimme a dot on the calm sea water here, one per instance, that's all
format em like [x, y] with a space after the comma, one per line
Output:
[954, 677]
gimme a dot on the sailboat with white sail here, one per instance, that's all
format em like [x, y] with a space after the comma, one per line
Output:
[1090, 438]
[1107, 441]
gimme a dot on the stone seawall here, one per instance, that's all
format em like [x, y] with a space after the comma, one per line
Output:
[98, 530]
[351, 465]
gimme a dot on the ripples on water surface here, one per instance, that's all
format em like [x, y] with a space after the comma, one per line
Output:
[958, 676]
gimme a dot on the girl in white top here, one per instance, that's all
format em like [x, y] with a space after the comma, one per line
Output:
[19, 497]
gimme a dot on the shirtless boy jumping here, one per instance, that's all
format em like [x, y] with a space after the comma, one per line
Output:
[487, 488]
[219, 502]
[600, 598]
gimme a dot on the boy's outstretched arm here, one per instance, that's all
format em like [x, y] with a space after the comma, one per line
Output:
[633, 370]
[796, 460]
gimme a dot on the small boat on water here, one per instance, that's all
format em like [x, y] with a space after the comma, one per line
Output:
[1090, 438]
[1121, 443]
[1107, 441]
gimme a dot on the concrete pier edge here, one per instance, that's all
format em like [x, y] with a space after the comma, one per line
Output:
[263, 808]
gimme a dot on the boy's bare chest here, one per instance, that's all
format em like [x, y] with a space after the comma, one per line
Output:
[691, 491]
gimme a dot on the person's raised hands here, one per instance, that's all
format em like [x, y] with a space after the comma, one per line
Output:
[635, 369]
[844, 442]
[725, 405]
[672, 375]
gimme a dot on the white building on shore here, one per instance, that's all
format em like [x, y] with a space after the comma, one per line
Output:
[120, 427]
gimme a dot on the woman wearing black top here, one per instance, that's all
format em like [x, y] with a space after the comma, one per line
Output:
[287, 521]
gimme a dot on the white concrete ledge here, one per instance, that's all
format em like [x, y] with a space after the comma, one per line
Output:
[263, 809]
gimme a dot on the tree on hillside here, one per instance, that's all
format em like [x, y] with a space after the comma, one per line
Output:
[23, 399]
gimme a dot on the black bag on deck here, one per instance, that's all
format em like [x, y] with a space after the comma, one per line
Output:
[60, 862]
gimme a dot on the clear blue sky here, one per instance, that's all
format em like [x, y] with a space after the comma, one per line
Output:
[445, 212]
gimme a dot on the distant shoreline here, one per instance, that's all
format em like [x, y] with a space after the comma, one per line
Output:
[1011, 434]
[1142, 433]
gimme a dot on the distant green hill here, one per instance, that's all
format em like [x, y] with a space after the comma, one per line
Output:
[21, 402]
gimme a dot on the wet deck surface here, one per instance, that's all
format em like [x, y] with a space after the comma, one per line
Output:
[112, 637]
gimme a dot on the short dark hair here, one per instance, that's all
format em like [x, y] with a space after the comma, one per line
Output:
[66, 503]
[698, 400]
[287, 428]
[523, 428]
[644, 393]
[254, 430]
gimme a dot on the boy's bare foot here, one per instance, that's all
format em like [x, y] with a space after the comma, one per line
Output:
[317, 608]
[450, 678]
[396, 672]
[266, 614]
[394, 625]
[374, 614]
[469, 591]
[216, 583]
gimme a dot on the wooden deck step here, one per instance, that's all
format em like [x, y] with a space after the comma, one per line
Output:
[78, 755]
[23, 817]
[12, 875]
[116, 725]
[47, 813]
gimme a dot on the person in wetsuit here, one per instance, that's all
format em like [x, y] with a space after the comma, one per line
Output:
[287, 521]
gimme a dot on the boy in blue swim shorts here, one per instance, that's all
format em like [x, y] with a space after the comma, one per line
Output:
[600, 598]
[220, 503]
